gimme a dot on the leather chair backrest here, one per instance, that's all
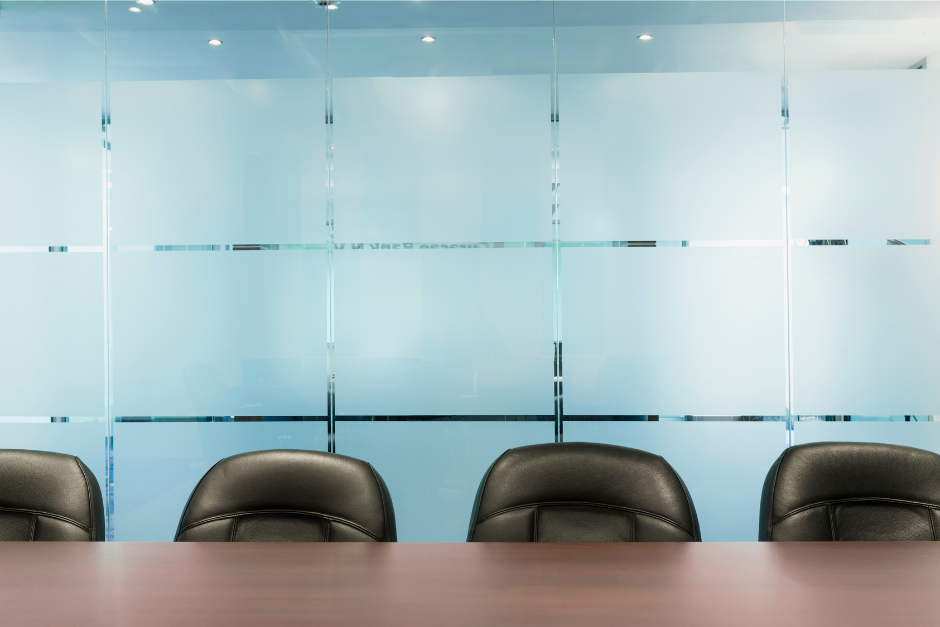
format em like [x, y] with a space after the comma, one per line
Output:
[289, 496]
[48, 496]
[851, 491]
[582, 492]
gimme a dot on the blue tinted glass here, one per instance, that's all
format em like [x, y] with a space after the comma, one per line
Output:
[433, 469]
[157, 465]
[434, 331]
[51, 78]
[925, 435]
[53, 334]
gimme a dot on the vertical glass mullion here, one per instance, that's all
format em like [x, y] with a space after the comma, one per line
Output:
[785, 115]
[331, 371]
[556, 248]
[106, 278]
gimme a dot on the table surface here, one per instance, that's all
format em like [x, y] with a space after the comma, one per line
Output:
[231, 584]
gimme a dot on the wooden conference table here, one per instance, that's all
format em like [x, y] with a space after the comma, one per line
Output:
[761, 584]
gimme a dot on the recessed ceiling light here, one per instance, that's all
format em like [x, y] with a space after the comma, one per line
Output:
[645, 37]
[146, 3]
[134, 9]
[331, 7]
[428, 38]
[215, 42]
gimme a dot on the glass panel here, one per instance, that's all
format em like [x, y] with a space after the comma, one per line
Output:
[52, 309]
[249, 111]
[443, 160]
[858, 175]
[864, 92]
[57, 136]
[219, 270]
[254, 167]
[925, 435]
[723, 464]
[676, 137]
[674, 331]
[230, 333]
[446, 140]
[865, 336]
[641, 162]
[158, 465]
[463, 331]
[433, 469]
[52, 343]
[50, 101]
[864, 88]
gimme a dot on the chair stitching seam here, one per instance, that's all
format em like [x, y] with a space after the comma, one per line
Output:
[234, 527]
[633, 510]
[36, 512]
[535, 523]
[382, 495]
[832, 523]
[633, 529]
[329, 527]
[179, 530]
[688, 499]
[280, 511]
[933, 532]
[32, 528]
[859, 499]
[91, 505]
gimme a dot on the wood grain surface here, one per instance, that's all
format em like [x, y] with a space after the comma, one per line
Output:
[232, 584]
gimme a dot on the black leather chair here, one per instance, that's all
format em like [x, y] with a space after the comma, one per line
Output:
[48, 496]
[851, 491]
[581, 492]
[289, 496]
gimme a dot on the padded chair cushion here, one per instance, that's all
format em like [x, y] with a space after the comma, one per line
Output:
[582, 492]
[48, 496]
[852, 491]
[289, 496]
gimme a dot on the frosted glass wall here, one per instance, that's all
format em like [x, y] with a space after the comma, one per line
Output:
[863, 162]
[673, 223]
[422, 233]
[443, 331]
[52, 261]
[398, 177]
[671, 156]
[443, 283]
[219, 267]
